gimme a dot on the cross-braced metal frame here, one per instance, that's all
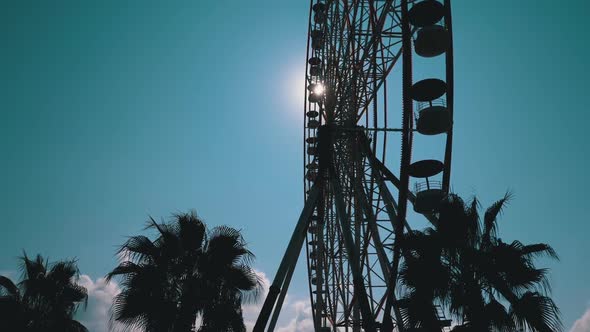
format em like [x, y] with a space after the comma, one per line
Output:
[355, 207]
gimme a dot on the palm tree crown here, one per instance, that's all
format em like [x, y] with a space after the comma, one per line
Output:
[183, 272]
[46, 298]
[486, 284]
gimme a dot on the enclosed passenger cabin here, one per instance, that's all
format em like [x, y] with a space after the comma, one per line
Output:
[429, 194]
[428, 89]
[425, 13]
[314, 97]
[311, 140]
[431, 41]
[433, 117]
[315, 66]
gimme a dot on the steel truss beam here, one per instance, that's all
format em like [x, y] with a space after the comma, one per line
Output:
[282, 279]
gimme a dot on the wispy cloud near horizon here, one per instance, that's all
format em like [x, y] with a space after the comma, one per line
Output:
[583, 323]
[295, 314]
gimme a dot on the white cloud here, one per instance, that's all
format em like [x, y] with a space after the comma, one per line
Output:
[302, 320]
[582, 324]
[295, 315]
[100, 296]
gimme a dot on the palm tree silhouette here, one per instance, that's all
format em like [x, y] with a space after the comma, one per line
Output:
[184, 272]
[463, 266]
[46, 298]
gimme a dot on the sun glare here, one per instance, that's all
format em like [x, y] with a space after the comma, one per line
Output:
[319, 89]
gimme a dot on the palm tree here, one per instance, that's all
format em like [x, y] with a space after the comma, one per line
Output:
[227, 281]
[485, 283]
[45, 300]
[184, 272]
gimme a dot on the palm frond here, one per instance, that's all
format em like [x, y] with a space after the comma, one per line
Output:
[124, 268]
[491, 215]
[227, 247]
[32, 268]
[536, 312]
[139, 248]
[8, 288]
[497, 317]
[191, 229]
[63, 272]
[539, 250]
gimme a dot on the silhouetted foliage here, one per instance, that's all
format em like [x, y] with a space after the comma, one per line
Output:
[461, 265]
[184, 272]
[46, 298]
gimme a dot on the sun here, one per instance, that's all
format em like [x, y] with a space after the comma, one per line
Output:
[319, 89]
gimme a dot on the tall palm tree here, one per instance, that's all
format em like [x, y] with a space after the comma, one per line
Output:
[485, 283]
[183, 272]
[46, 298]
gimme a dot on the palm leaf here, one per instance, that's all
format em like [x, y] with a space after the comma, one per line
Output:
[139, 248]
[491, 215]
[192, 230]
[539, 250]
[536, 312]
[8, 288]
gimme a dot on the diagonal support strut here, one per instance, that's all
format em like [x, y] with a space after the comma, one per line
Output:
[282, 279]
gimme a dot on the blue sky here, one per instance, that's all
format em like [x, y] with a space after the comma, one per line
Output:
[111, 112]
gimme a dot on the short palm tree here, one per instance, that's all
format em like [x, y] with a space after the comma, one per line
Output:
[46, 299]
[185, 271]
[485, 283]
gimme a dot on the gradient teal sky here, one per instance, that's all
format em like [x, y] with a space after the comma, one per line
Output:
[114, 111]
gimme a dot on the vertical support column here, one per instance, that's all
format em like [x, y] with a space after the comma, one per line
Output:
[321, 278]
[358, 173]
[450, 96]
[407, 112]
[406, 150]
[356, 314]
[353, 255]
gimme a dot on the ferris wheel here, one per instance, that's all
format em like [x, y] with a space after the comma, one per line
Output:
[356, 202]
